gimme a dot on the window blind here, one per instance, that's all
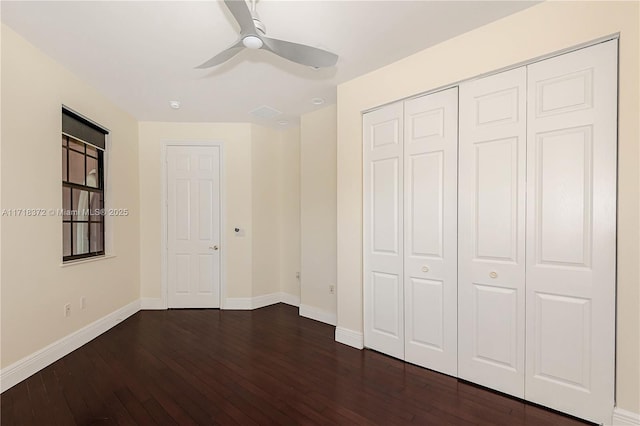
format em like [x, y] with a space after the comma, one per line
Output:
[80, 128]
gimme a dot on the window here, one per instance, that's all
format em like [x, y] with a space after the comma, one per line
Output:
[83, 145]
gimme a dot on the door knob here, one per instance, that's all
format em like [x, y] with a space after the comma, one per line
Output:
[493, 274]
[213, 247]
[425, 269]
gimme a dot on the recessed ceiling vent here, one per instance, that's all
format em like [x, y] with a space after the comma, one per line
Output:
[265, 111]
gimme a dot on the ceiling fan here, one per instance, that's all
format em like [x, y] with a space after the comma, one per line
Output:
[252, 36]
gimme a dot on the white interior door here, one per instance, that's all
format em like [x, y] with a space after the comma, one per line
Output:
[383, 230]
[430, 223]
[571, 232]
[193, 220]
[491, 262]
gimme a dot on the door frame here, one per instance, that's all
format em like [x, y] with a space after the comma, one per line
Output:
[164, 204]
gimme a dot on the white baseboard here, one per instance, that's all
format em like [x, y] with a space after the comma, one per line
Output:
[290, 299]
[318, 314]
[237, 303]
[152, 303]
[31, 364]
[233, 303]
[249, 303]
[348, 337]
[625, 418]
[265, 300]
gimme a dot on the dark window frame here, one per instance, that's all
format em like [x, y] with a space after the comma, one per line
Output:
[94, 153]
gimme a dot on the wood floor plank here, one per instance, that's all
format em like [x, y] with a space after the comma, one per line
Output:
[135, 409]
[58, 410]
[159, 414]
[261, 367]
[22, 411]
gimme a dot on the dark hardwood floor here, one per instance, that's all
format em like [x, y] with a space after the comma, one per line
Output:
[268, 366]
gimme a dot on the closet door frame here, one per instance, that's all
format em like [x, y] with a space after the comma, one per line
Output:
[612, 37]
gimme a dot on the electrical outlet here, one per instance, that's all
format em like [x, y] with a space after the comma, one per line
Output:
[83, 302]
[332, 289]
[67, 310]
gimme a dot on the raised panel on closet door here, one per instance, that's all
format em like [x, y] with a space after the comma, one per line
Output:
[430, 243]
[383, 230]
[491, 221]
[571, 232]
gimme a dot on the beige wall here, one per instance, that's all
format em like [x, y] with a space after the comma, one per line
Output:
[253, 194]
[35, 287]
[537, 31]
[266, 201]
[318, 208]
[290, 212]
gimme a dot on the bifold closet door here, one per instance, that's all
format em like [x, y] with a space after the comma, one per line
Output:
[491, 256]
[383, 230]
[430, 223]
[571, 232]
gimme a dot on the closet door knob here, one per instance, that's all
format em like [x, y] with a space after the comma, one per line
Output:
[493, 274]
[425, 269]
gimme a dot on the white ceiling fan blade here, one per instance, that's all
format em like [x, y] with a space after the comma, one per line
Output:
[300, 53]
[223, 56]
[240, 11]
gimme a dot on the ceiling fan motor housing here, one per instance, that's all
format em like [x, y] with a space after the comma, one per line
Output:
[252, 42]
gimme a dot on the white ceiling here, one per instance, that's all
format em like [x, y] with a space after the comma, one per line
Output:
[142, 54]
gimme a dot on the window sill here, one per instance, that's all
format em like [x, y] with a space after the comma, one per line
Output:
[88, 260]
